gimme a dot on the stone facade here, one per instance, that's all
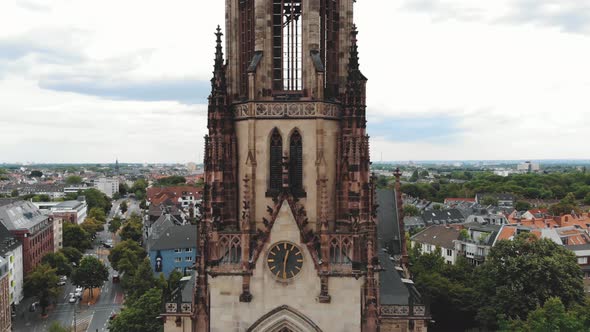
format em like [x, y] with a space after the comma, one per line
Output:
[287, 162]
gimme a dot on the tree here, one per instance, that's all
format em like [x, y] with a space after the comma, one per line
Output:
[123, 207]
[489, 200]
[14, 193]
[123, 188]
[95, 198]
[567, 205]
[58, 261]
[57, 327]
[552, 316]
[126, 256]
[587, 199]
[139, 189]
[535, 269]
[137, 282]
[72, 254]
[73, 180]
[36, 174]
[132, 230]
[143, 204]
[411, 210]
[115, 225]
[424, 174]
[91, 273]
[173, 180]
[522, 206]
[97, 214]
[91, 226]
[140, 315]
[42, 283]
[414, 176]
[75, 236]
[173, 281]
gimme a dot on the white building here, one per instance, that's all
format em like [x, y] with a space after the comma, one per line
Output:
[528, 167]
[438, 237]
[12, 251]
[107, 186]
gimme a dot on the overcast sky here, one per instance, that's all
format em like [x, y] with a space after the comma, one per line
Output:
[90, 80]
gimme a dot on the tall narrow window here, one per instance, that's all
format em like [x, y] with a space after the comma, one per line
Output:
[276, 161]
[287, 53]
[296, 163]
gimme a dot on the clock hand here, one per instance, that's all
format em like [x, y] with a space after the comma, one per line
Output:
[285, 265]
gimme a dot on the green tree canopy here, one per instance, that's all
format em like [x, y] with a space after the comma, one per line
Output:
[92, 226]
[59, 262]
[91, 273]
[140, 315]
[42, 283]
[137, 282]
[72, 254]
[414, 176]
[98, 214]
[552, 316]
[126, 256]
[75, 236]
[36, 174]
[57, 327]
[520, 275]
[95, 198]
[114, 225]
[522, 206]
[73, 180]
[411, 210]
[132, 230]
[124, 207]
[173, 180]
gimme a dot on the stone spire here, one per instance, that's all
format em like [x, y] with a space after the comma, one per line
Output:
[354, 73]
[218, 83]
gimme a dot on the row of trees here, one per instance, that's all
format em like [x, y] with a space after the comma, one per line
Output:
[144, 293]
[517, 279]
[81, 236]
[531, 186]
[85, 271]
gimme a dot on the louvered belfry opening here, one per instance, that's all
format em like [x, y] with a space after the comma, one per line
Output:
[276, 161]
[296, 163]
[287, 57]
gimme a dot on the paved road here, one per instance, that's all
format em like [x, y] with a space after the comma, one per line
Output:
[97, 315]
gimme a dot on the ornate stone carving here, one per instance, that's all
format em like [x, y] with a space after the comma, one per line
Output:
[419, 310]
[288, 110]
[171, 307]
[395, 310]
[186, 307]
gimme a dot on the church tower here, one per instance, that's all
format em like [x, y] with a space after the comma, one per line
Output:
[288, 241]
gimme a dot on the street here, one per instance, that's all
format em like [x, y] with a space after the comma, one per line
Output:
[95, 316]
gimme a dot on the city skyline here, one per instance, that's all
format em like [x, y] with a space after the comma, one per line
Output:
[84, 82]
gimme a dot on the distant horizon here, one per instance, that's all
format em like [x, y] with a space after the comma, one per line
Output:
[122, 162]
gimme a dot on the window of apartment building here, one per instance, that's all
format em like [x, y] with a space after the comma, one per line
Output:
[449, 252]
[188, 258]
[188, 249]
[177, 250]
[480, 251]
[177, 259]
[582, 260]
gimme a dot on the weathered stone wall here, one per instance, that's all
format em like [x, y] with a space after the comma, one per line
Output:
[319, 160]
[342, 314]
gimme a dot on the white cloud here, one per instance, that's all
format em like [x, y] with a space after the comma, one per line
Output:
[513, 74]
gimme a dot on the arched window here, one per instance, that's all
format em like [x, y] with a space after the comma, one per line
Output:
[296, 163]
[276, 161]
[287, 53]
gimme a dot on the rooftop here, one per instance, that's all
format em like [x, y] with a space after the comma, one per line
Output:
[438, 235]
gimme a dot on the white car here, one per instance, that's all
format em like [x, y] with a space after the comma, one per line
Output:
[79, 289]
[72, 298]
[61, 283]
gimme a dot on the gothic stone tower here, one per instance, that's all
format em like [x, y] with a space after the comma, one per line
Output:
[288, 239]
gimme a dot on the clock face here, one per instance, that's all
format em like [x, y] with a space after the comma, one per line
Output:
[284, 260]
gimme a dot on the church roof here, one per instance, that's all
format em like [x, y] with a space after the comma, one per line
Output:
[393, 289]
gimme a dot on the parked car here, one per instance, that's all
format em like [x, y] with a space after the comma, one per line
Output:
[72, 298]
[33, 306]
[113, 316]
[115, 278]
[61, 283]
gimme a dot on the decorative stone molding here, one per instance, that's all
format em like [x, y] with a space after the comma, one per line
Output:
[419, 310]
[186, 307]
[171, 307]
[273, 110]
[395, 310]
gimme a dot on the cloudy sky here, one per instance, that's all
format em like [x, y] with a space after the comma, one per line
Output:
[90, 80]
